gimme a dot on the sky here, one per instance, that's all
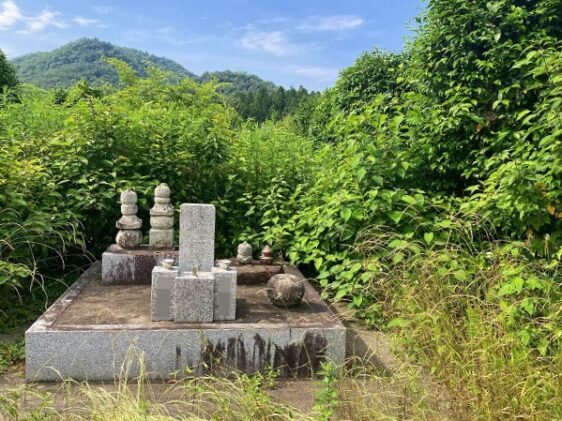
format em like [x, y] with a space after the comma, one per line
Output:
[290, 42]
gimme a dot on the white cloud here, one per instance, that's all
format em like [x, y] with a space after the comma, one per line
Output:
[274, 42]
[10, 14]
[81, 21]
[334, 23]
[37, 23]
[321, 74]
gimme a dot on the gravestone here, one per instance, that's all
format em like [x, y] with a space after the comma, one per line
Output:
[197, 237]
[200, 292]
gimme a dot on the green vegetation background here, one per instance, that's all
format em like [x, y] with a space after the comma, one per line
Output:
[424, 189]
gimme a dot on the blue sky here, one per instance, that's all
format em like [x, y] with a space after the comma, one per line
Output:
[289, 42]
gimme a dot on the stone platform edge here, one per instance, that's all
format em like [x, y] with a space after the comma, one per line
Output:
[100, 352]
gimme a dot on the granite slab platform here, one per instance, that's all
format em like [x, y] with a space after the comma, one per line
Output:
[102, 332]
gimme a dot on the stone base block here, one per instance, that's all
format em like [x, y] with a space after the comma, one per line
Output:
[121, 266]
[163, 281]
[93, 332]
[193, 298]
[225, 294]
[161, 238]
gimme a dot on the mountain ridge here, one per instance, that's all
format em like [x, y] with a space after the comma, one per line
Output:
[83, 59]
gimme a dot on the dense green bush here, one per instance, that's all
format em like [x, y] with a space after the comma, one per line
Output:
[65, 159]
[8, 78]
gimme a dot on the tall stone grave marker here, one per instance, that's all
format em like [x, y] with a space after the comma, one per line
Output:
[197, 237]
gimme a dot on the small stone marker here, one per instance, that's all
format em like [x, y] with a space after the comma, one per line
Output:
[197, 237]
[244, 255]
[129, 235]
[225, 293]
[162, 219]
[266, 257]
[163, 278]
[193, 298]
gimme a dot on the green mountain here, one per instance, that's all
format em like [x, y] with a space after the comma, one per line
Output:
[83, 59]
[253, 97]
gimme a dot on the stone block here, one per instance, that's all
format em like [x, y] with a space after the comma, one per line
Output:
[197, 237]
[121, 266]
[225, 294]
[193, 298]
[161, 293]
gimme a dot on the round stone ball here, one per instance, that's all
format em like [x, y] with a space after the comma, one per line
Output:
[285, 290]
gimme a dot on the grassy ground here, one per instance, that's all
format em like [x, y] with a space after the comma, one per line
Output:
[372, 386]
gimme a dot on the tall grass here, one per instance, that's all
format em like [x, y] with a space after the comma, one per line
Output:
[338, 393]
[481, 316]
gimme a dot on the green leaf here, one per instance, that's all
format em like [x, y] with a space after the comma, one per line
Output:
[346, 214]
[395, 216]
[428, 237]
[409, 199]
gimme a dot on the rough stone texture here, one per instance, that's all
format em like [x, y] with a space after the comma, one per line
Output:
[92, 329]
[163, 281]
[225, 294]
[129, 235]
[121, 266]
[162, 219]
[193, 298]
[197, 237]
[285, 290]
[244, 255]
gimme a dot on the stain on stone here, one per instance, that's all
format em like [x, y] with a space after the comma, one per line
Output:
[178, 358]
[231, 351]
[241, 355]
[301, 359]
[212, 356]
[262, 360]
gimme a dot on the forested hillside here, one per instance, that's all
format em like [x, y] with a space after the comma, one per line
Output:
[424, 190]
[84, 60]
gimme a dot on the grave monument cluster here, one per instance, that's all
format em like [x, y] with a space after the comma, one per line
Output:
[181, 308]
[187, 287]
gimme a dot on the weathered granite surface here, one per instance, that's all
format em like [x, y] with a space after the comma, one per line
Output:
[197, 237]
[163, 281]
[224, 294]
[244, 253]
[285, 290]
[122, 266]
[161, 234]
[129, 235]
[193, 298]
